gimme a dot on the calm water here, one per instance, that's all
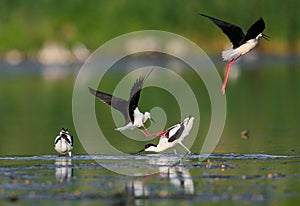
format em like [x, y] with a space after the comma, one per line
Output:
[264, 100]
[230, 179]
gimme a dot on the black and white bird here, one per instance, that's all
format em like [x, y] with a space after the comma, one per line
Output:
[242, 43]
[63, 143]
[133, 117]
[171, 137]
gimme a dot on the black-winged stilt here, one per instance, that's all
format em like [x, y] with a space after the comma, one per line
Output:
[133, 117]
[242, 43]
[171, 137]
[63, 143]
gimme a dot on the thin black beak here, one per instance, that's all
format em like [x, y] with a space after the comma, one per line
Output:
[266, 37]
[152, 120]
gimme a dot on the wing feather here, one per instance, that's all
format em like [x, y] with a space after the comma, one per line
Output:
[135, 94]
[233, 32]
[115, 102]
[256, 28]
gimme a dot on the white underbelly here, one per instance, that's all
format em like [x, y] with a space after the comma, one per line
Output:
[245, 48]
[231, 54]
[126, 127]
[62, 147]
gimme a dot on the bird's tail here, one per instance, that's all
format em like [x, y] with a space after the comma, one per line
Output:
[125, 127]
[230, 54]
[188, 124]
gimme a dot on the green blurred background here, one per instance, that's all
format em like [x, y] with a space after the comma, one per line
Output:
[26, 25]
[36, 99]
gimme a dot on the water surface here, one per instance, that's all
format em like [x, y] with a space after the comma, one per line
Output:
[231, 179]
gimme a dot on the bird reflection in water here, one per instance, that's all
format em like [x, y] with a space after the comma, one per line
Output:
[63, 169]
[177, 175]
[181, 178]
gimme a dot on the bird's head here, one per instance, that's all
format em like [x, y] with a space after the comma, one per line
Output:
[150, 147]
[64, 136]
[260, 35]
[64, 131]
[147, 116]
[266, 37]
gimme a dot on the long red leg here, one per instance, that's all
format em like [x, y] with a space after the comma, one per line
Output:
[147, 134]
[227, 73]
[226, 76]
[157, 134]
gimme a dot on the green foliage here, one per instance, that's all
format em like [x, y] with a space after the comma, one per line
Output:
[26, 25]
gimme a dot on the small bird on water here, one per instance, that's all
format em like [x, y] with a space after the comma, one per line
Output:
[133, 117]
[245, 134]
[63, 143]
[171, 137]
[242, 44]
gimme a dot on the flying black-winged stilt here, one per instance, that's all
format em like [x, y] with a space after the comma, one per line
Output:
[133, 117]
[242, 44]
[171, 137]
[63, 143]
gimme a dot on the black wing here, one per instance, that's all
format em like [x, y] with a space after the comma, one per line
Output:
[233, 32]
[115, 102]
[135, 94]
[167, 132]
[72, 141]
[56, 140]
[256, 28]
[177, 134]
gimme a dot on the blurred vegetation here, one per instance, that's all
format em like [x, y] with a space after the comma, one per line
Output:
[26, 25]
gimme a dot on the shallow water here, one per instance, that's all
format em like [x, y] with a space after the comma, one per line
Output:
[223, 179]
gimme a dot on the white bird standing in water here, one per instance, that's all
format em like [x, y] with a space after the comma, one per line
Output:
[133, 117]
[63, 143]
[171, 137]
[242, 44]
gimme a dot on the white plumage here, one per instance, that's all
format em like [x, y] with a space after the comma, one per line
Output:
[231, 54]
[63, 143]
[172, 136]
[139, 120]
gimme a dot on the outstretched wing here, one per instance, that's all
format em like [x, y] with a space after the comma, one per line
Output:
[256, 28]
[115, 102]
[135, 94]
[233, 32]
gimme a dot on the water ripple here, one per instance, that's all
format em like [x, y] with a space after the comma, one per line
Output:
[154, 156]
